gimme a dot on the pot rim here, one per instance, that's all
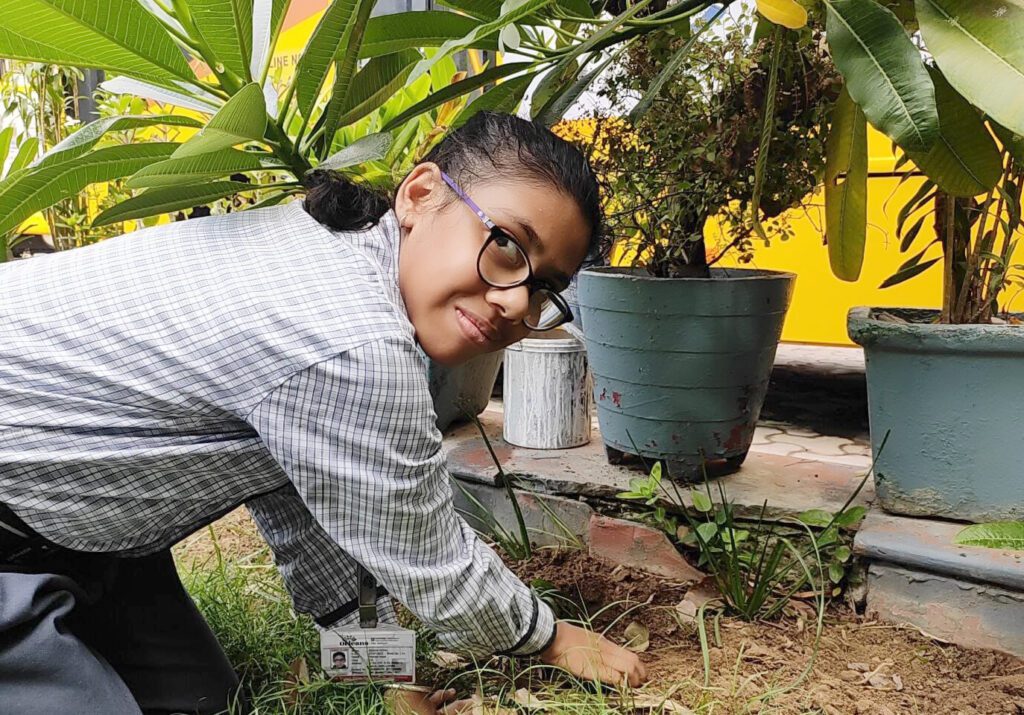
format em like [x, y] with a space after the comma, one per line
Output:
[632, 273]
[868, 331]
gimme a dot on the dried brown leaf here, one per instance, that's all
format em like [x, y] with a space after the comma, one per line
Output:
[638, 637]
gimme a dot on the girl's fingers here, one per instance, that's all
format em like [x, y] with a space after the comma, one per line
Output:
[609, 675]
[440, 697]
[625, 662]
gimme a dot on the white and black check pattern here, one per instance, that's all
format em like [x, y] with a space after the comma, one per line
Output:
[152, 382]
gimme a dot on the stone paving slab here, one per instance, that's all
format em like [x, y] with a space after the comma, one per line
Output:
[789, 485]
[927, 545]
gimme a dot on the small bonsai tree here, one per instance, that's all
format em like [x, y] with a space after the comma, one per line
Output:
[694, 153]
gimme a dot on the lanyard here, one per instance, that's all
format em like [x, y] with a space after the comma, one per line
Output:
[367, 598]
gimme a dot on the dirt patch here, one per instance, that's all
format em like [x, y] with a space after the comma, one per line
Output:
[861, 667]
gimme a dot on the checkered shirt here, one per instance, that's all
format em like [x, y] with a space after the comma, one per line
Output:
[151, 383]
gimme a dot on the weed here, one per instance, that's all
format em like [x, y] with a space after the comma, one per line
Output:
[521, 545]
[247, 607]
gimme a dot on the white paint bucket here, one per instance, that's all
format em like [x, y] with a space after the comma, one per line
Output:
[547, 392]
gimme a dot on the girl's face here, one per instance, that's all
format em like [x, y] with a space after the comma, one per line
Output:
[456, 315]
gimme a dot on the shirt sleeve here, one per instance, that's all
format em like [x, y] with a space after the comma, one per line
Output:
[320, 576]
[356, 436]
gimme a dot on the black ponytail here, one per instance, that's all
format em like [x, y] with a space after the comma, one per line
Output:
[339, 203]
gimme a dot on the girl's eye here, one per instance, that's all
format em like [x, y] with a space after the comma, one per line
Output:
[509, 251]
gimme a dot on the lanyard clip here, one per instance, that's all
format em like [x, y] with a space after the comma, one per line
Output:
[367, 598]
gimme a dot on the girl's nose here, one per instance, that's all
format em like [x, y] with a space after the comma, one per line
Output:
[513, 304]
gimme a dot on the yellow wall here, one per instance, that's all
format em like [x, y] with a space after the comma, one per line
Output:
[820, 300]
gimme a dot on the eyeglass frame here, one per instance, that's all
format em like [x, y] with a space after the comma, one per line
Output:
[532, 283]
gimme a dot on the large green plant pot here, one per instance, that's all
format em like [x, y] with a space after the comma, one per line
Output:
[950, 398]
[681, 365]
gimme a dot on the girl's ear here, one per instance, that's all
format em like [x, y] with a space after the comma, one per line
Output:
[419, 193]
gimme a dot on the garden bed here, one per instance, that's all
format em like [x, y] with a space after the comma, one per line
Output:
[860, 667]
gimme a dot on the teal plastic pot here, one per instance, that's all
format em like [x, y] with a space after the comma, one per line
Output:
[681, 365]
[949, 397]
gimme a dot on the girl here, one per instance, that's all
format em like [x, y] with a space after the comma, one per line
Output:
[150, 384]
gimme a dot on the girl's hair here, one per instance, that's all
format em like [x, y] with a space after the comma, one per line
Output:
[490, 145]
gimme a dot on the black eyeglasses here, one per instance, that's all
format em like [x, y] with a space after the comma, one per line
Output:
[503, 263]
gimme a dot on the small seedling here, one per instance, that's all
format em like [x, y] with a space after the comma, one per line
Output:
[648, 490]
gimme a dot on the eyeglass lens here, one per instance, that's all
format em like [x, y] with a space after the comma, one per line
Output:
[503, 264]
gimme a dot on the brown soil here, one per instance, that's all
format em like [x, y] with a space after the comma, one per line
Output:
[861, 668]
[858, 668]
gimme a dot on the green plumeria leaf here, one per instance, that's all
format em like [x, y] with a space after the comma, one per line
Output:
[243, 118]
[420, 29]
[884, 72]
[503, 98]
[153, 202]
[457, 89]
[115, 35]
[381, 78]
[212, 165]
[322, 49]
[994, 535]
[368, 148]
[88, 136]
[33, 189]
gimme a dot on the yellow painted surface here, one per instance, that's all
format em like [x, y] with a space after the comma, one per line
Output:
[820, 300]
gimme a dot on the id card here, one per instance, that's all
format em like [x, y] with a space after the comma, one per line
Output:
[384, 653]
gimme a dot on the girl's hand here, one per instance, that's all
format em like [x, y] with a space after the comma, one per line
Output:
[591, 656]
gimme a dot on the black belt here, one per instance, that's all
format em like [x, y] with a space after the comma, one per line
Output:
[19, 544]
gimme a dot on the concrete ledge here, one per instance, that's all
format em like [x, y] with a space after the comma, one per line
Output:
[550, 520]
[971, 615]
[927, 545]
[558, 521]
[789, 485]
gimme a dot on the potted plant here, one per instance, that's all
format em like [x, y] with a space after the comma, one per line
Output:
[681, 351]
[945, 385]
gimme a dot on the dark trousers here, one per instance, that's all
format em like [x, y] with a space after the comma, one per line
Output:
[94, 633]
